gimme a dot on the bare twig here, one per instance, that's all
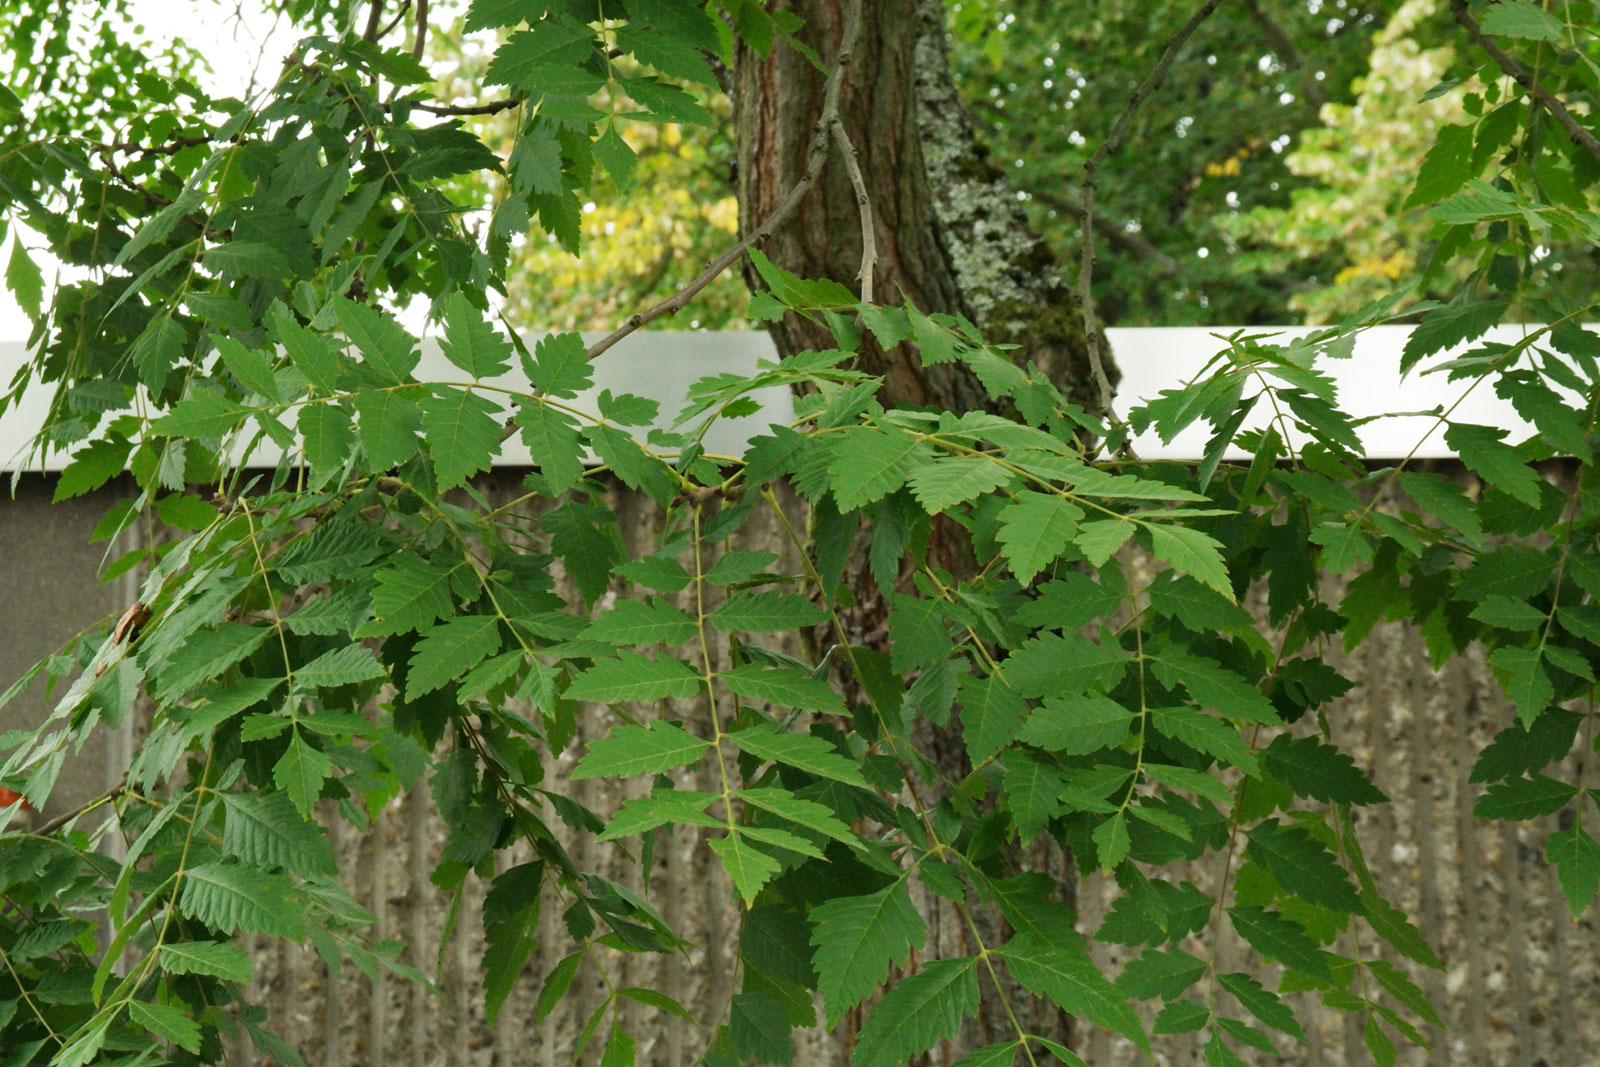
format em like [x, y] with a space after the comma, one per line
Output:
[374, 14]
[1091, 182]
[399, 17]
[493, 107]
[1520, 75]
[869, 241]
[172, 147]
[822, 137]
[421, 42]
[65, 817]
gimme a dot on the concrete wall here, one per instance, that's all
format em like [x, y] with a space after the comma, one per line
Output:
[1518, 991]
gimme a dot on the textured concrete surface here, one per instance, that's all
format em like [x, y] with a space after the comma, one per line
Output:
[48, 594]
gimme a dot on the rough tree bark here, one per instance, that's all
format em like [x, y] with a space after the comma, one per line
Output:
[949, 235]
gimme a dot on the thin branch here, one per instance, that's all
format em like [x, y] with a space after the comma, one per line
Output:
[65, 817]
[1091, 182]
[815, 157]
[374, 13]
[172, 147]
[493, 107]
[1520, 75]
[421, 42]
[399, 17]
[869, 240]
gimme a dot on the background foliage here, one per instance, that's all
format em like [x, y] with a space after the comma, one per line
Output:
[231, 275]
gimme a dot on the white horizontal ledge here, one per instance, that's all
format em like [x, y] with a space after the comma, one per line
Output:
[661, 364]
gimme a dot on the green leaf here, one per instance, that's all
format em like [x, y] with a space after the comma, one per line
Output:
[1214, 687]
[739, 565]
[1446, 500]
[1577, 860]
[634, 677]
[1160, 974]
[991, 713]
[637, 622]
[24, 278]
[471, 343]
[783, 687]
[766, 612]
[266, 829]
[1111, 841]
[449, 650]
[1034, 530]
[253, 369]
[1077, 726]
[1033, 786]
[1099, 540]
[1448, 326]
[1190, 550]
[1520, 18]
[556, 984]
[1313, 769]
[92, 466]
[1199, 783]
[1262, 1003]
[1281, 940]
[409, 595]
[807, 813]
[311, 354]
[204, 416]
[346, 665]
[614, 154]
[1522, 675]
[629, 750]
[388, 427]
[234, 897]
[1181, 1017]
[953, 480]
[385, 347]
[760, 1029]
[804, 752]
[247, 259]
[300, 772]
[560, 366]
[748, 867]
[552, 439]
[226, 961]
[205, 655]
[858, 939]
[1446, 167]
[1498, 464]
[917, 1012]
[1072, 982]
[167, 1023]
[1064, 665]
[1524, 798]
[328, 437]
[1208, 735]
[869, 463]
[1509, 614]
[462, 432]
[1302, 865]
[1001, 1055]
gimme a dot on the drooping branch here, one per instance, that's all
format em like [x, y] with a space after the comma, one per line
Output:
[1520, 74]
[1091, 182]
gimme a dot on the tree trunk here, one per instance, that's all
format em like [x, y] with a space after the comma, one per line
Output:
[951, 237]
